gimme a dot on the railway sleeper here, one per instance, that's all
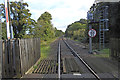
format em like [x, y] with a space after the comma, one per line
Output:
[75, 65]
[42, 68]
[71, 65]
[64, 69]
[67, 66]
[42, 63]
[37, 69]
[46, 67]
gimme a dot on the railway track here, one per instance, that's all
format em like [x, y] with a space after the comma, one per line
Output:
[67, 64]
[76, 55]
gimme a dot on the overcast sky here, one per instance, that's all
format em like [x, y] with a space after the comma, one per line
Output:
[64, 12]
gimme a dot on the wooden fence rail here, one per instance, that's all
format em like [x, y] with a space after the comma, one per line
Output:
[18, 56]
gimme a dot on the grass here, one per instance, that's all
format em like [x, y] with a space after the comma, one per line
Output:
[45, 48]
[45, 51]
[104, 53]
[35, 67]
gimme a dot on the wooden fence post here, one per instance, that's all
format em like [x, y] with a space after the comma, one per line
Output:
[0, 59]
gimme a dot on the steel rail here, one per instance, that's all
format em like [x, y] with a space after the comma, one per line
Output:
[76, 54]
[59, 49]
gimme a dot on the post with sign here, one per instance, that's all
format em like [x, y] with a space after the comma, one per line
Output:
[91, 33]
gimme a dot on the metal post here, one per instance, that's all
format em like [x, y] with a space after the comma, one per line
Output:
[59, 62]
[7, 20]
[90, 41]
[99, 36]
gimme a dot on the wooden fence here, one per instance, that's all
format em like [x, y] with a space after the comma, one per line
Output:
[18, 56]
[115, 48]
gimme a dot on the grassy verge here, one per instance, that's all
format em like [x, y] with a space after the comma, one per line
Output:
[45, 48]
[103, 53]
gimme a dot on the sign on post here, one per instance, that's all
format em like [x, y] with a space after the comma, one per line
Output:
[92, 33]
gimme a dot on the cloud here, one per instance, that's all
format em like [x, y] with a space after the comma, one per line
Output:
[64, 12]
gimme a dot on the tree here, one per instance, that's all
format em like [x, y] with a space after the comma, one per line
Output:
[58, 33]
[20, 18]
[83, 21]
[4, 33]
[46, 16]
[77, 30]
[44, 27]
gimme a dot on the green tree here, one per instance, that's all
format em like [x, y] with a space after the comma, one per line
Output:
[20, 18]
[58, 33]
[44, 27]
[83, 21]
[77, 30]
[4, 33]
[46, 16]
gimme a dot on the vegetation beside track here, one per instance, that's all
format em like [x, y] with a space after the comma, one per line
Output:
[45, 48]
[77, 30]
[104, 53]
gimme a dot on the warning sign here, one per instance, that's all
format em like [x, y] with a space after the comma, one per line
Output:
[92, 33]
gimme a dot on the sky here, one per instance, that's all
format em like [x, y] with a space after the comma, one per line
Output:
[64, 12]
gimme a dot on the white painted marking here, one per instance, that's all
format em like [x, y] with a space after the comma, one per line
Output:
[77, 74]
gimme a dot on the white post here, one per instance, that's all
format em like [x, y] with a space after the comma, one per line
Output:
[11, 27]
[7, 19]
[59, 62]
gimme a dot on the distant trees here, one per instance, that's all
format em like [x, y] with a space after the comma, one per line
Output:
[25, 27]
[77, 30]
[44, 27]
[58, 33]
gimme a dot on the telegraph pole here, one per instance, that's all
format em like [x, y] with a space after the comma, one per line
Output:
[7, 19]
